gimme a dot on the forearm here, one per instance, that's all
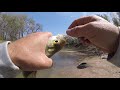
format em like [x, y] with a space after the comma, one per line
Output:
[7, 68]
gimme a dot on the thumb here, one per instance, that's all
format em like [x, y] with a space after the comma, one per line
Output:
[78, 31]
[47, 62]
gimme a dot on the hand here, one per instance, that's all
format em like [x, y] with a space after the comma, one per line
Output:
[97, 31]
[28, 53]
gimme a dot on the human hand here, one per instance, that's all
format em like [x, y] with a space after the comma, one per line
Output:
[28, 53]
[96, 31]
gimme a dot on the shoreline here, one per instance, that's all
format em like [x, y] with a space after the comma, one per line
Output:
[66, 62]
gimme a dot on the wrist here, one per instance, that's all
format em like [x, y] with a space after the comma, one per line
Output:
[11, 52]
[116, 45]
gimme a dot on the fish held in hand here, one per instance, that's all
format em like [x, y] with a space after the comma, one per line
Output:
[55, 44]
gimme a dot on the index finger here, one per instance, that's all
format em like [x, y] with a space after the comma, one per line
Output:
[48, 34]
[84, 20]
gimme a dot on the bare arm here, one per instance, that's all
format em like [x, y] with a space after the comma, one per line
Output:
[26, 54]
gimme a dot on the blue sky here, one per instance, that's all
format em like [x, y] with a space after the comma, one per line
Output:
[56, 22]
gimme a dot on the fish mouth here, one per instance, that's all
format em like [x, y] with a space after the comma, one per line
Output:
[51, 47]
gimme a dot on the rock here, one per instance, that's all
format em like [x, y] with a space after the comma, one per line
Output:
[82, 65]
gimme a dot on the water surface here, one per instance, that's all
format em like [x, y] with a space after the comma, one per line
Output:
[63, 63]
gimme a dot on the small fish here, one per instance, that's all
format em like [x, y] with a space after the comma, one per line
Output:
[55, 44]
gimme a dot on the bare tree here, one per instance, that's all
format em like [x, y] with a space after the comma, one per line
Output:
[13, 27]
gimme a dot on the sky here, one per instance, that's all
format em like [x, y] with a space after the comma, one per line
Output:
[56, 22]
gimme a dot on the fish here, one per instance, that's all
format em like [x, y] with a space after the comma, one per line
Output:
[54, 45]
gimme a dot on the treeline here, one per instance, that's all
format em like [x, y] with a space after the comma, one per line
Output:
[13, 27]
[112, 17]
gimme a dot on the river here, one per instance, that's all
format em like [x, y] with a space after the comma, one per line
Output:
[63, 64]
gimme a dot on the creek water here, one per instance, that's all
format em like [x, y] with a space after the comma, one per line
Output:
[64, 65]
[63, 62]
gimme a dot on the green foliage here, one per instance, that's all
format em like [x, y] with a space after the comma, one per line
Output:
[105, 16]
[115, 18]
[13, 27]
[73, 43]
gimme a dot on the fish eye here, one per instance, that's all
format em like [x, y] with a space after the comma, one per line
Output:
[56, 41]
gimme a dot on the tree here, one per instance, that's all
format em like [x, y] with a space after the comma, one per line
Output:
[13, 27]
[115, 18]
[105, 16]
